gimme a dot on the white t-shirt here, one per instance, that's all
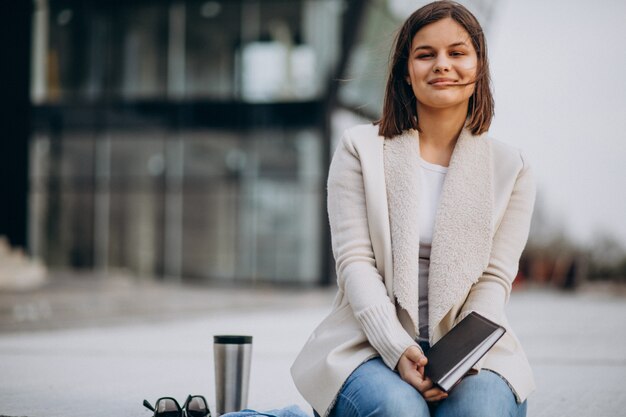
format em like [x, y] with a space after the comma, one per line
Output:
[432, 178]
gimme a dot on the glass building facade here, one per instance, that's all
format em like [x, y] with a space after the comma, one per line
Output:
[182, 138]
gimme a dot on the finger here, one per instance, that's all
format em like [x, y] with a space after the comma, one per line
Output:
[415, 355]
[436, 398]
[434, 392]
[425, 385]
[413, 378]
[406, 365]
[412, 382]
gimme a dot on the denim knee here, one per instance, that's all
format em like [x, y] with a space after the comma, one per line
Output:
[374, 390]
[406, 402]
[484, 395]
[383, 403]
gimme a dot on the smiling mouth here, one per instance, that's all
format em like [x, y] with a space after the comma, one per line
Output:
[441, 81]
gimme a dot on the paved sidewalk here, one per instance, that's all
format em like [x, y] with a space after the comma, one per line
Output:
[106, 365]
[71, 300]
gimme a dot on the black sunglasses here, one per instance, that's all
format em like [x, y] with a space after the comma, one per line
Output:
[195, 406]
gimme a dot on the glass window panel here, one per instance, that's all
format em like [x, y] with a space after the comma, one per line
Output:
[67, 28]
[212, 33]
[106, 50]
[278, 232]
[39, 160]
[136, 231]
[65, 227]
[76, 229]
[270, 31]
[137, 159]
[287, 49]
[209, 232]
[212, 154]
[275, 156]
[275, 12]
[136, 201]
[61, 199]
[97, 59]
[77, 160]
[212, 161]
[252, 206]
[38, 194]
[37, 213]
[368, 62]
[281, 207]
[139, 44]
[321, 30]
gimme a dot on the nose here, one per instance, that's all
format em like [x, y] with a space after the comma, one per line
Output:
[441, 64]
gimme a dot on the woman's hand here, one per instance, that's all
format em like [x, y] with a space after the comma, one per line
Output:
[411, 368]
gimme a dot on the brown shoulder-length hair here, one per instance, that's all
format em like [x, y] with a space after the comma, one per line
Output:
[399, 106]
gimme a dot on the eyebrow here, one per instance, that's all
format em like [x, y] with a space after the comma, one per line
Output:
[430, 47]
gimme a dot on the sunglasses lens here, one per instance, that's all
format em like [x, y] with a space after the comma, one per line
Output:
[197, 407]
[167, 407]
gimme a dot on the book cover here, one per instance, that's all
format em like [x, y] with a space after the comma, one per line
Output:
[460, 349]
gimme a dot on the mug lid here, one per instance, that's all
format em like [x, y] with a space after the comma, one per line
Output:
[232, 339]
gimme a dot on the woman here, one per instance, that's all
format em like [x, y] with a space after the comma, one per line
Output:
[428, 217]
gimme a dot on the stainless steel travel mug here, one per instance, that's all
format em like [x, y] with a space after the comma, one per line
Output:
[233, 355]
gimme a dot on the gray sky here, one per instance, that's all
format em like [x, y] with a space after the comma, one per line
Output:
[558, 69]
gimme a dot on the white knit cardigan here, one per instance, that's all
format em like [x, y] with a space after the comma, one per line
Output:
[480, 231]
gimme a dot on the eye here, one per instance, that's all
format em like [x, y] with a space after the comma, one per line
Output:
[424, 56]
[456, 53]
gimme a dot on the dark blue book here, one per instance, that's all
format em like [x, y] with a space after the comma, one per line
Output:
[460, 349]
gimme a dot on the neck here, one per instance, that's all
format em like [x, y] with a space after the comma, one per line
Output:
[439, 131]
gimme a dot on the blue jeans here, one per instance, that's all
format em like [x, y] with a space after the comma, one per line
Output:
[374, 390]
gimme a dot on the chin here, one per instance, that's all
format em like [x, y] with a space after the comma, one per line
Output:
[444, 101]
[441, 105]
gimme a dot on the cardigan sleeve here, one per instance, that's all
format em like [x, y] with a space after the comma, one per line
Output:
[357, 275]
[491, 292]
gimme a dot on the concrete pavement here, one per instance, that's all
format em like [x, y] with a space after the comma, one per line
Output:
[106, 365]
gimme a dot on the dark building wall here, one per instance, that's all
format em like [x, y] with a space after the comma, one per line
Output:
[15, 40]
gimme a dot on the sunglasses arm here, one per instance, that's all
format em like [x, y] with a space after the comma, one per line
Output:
[148, 405]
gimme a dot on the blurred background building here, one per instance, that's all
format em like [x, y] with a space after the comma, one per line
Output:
[183, 138]
[189, 140]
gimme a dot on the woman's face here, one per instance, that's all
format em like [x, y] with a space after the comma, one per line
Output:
[442, 59]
